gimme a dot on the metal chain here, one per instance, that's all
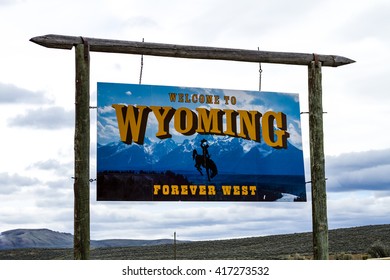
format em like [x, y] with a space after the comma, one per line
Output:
[142, 66]
[260, 72]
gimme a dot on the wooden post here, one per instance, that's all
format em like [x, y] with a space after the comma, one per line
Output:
[317, 164]
[81, 155]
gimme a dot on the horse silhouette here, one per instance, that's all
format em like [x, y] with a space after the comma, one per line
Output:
[205, 162]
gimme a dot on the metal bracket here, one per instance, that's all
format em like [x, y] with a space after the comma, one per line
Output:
[316, 59]
[90, 180]
[86, 47]
[309, 113]
[309, 182]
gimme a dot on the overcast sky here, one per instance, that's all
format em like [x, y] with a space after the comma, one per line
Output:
[37, 106]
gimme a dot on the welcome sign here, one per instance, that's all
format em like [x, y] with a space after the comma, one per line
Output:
[165, 143]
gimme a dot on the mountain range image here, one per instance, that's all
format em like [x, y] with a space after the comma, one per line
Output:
[231, 155]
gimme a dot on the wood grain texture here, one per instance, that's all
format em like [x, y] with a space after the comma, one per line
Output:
[184, 51]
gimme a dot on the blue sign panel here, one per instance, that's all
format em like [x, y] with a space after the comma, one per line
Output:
[166, 143]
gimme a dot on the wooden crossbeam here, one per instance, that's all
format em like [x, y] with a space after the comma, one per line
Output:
[183, 51]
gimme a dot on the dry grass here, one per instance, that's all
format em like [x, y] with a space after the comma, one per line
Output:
[345, 244]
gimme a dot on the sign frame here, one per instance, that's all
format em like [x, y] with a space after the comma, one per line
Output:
[167, 143]
[314, 62]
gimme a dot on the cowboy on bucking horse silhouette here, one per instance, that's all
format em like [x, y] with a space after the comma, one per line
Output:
[205, 146]
[204, 160]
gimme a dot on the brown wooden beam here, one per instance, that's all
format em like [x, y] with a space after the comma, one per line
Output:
[182, 51]
[81, 246]
[317, 163]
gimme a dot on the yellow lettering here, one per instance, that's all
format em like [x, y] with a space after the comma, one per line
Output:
[244, 190]
[174, 190]
[172, 97]
[239, 190]
[231, 122]
[253, 190]
[211, 190]
[249, 125]
[209, 121]
[156, 189]
[185, 121]
[165, 190]
[163, 116]
[269, 130]
[184, 189]
[131, 122]
[193, 189]
[195, 98]
[226, 190]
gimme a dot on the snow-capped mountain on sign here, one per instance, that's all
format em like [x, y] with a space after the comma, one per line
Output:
[229, 154]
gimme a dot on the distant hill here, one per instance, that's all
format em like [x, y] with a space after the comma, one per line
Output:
[34, 238]
[45, 238]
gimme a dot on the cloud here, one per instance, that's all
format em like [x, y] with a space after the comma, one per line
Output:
[107, 133]
[12, 183]
[44, 118]
[358, 160]
[8, 2]
[30, 216]
[58, 195]
[105, 109]
[11, 94]
[378, 24]
[55, 166]
[197, 221]
[366, 170]
[295, 134]
[141, 21]
[357, 209]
